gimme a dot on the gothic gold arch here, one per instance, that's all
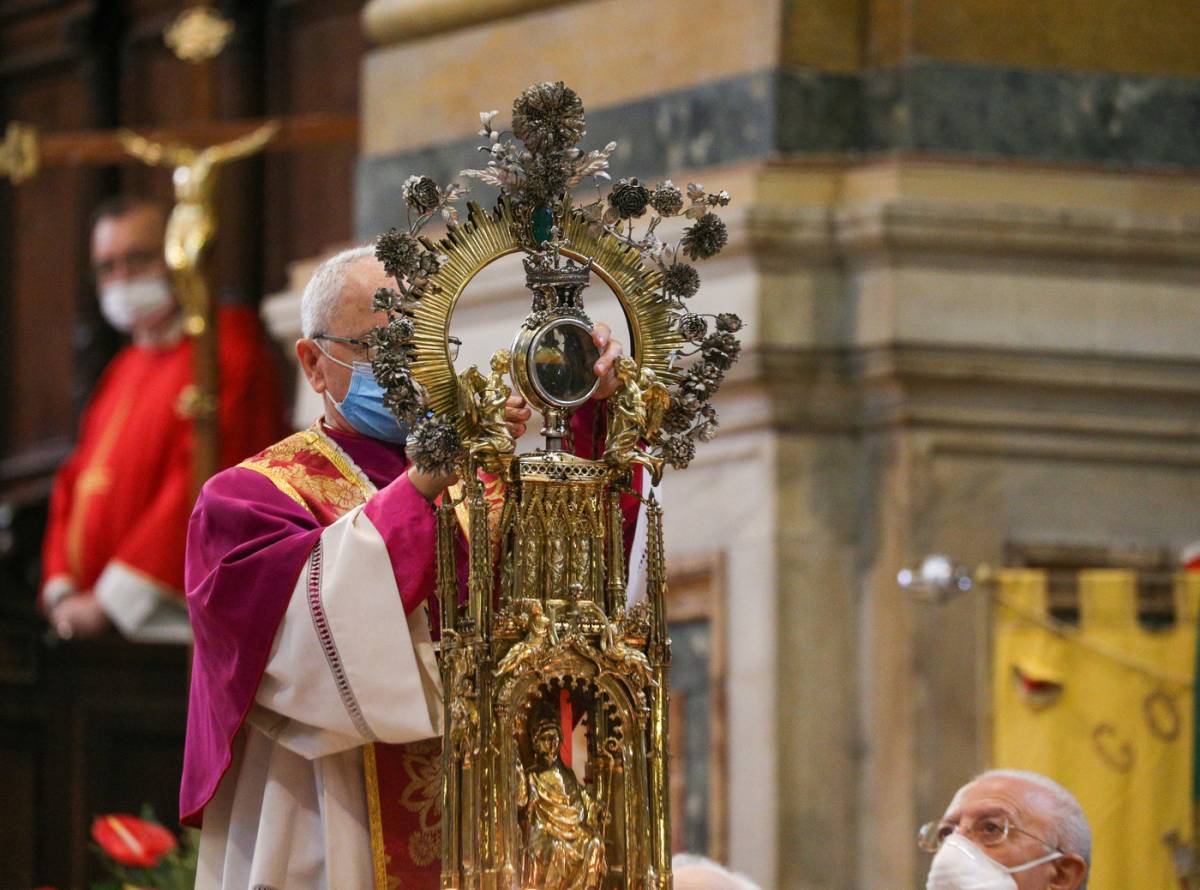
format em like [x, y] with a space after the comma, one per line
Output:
[488, 236]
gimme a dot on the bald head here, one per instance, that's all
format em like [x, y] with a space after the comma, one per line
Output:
[348, 279]
[1044, 815]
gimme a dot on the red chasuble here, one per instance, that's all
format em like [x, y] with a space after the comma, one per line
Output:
[126, 491]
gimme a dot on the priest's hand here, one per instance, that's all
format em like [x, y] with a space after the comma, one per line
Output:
[516, 415]
[79, 616]
[609, 350]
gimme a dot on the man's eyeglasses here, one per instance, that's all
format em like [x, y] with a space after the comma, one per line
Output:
[990, 831]
[134, 262]
[370, 351]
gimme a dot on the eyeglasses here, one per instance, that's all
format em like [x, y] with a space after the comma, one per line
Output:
[370, 350]
[133, 262]
[989, 831]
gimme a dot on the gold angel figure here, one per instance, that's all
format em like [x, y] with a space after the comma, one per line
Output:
[540, 630]
[483, 399]
[193, 223]
[626, 659]
[635, 413]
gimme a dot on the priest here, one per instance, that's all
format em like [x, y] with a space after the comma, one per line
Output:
[113, 550]
[312, 754]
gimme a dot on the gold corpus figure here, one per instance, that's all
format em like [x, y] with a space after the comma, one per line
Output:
[564, 824]
[635, 413]
[483, 399]
[193, 223]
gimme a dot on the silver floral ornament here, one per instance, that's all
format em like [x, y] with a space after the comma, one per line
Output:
[693, 327]
[666, 199]
[399, 252]
[677, 419]
[434, 446]
[705, 237]
[678, 451]
[729, 322]
[721, 349]
[681, 280]
[548, 117]
[629, 198]
[421, 193]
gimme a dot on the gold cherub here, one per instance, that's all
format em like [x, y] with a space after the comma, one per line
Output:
[540, 633]
[484, 400]
[636, 411]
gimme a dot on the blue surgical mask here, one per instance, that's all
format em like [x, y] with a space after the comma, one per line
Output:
[363, 405]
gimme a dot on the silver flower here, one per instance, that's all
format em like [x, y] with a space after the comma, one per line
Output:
[681, 280]
[421, 193]
[667, 199]
[705, 237]
[548, 117]
[434, 446]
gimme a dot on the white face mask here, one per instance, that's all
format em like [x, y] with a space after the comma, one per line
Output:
[960, 865]
[126, 304]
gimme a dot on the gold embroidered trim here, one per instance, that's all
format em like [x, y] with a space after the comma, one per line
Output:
[277, 479]
[332, 452]
[312, 439]
[375, 817]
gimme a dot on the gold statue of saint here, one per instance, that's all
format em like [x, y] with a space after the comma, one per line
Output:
[635, 413]
[564, 824]
[192, 224]
[484, 399]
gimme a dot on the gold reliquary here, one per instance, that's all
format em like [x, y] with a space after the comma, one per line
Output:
[554, 662]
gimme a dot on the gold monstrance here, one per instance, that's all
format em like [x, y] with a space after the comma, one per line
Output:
[549, 638]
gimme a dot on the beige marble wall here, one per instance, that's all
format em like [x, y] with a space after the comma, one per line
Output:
[426, 90]
[958, 367]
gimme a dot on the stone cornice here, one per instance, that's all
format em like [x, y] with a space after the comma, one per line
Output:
[1116, 405]
[998, 229]
[395, 21]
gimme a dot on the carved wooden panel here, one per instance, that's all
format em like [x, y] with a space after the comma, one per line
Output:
[81, 64]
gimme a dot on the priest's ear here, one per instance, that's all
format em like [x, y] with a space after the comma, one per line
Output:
[1068, 873]
[309, 355]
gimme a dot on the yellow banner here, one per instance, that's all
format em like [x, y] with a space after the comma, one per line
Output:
[1105, 709]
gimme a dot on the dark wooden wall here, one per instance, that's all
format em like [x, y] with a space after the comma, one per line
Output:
[79, 64]
[99, 727]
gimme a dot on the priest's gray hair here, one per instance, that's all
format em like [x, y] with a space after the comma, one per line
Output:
[694, 872]
[324, 289]
[1074, 833]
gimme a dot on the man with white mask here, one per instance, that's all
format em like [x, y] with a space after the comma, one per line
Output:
[1009, 830]
[113, 551]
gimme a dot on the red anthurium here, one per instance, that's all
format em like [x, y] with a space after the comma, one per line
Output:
[132, 841]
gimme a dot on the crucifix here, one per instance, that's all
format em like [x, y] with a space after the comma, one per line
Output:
[191, 228]
[195, 151]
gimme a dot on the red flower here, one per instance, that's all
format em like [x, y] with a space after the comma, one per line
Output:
[132, 841]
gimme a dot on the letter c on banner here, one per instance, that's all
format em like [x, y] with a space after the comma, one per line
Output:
[1121, 759]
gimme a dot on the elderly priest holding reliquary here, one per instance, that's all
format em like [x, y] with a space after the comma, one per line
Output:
[400, 622]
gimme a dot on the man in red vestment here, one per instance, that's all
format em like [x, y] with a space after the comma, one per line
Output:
[113, 551]
[314, 719]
